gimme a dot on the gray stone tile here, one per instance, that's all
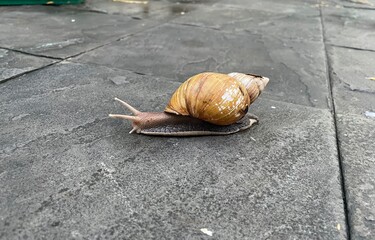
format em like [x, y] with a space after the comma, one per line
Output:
[353, 89]
[296, 69]
[285, 6]
[143, 9]
[124, 8]
[76, 174]
[356, 134]
[350, 27]
[58, 32]
[354, 95]
[302, 25]
[360, 4]
[14, 63]
[67, 96]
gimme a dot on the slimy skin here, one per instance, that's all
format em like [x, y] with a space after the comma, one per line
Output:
[166, 124]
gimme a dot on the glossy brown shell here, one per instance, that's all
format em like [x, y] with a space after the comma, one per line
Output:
[213, 97]
[254, 84]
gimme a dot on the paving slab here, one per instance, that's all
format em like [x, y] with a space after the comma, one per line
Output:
[76, 174]
[59, 32]
[354, 86]
[285, 6]
[297, 69]
[356, 135]
[122, 7]
[349, 27]
[354, 94]
[302, 25]
[359, 4]
[14, 63]
[162, 9]
[28, 115]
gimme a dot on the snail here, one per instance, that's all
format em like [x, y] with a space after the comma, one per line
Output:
[206, 104]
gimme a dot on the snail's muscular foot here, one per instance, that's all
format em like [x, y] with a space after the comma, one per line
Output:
[166, 124]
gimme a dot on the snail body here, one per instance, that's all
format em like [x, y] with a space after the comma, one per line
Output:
[205, 104]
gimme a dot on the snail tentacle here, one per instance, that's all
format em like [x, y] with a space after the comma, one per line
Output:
[128, 106]
[127, 117]
[133, 130]
[135, 120]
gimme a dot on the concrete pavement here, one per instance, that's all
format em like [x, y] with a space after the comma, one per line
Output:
[306, 171]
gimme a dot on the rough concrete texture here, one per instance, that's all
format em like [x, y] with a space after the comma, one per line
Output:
[67, 171]
[354, 94]
[357, 136]
[292, 24]
[58, 32]
[79, 165]
[193, 49]
[163, 9]
[350, 27]
[67, 96]
[355, 4]
[284, 6]
[354, 87]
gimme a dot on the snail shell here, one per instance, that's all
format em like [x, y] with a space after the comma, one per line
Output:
[220, 99]
[254, 84]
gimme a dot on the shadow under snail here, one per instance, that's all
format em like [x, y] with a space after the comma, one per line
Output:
[205, 104]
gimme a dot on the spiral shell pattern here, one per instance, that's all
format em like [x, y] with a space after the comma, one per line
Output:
[213, 97]
[254, 84]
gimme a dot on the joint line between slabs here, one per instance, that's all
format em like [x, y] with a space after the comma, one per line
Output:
[27, 72]
[31, 54]
[333, 110]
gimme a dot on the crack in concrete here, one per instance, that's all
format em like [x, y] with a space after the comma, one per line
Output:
[309, 98]
[226, 59]
[198, 26]
[206, 62]
[355, 89]
[352, 48]
[329, 72]
[361, 8]
[88, 10]
[351, 87]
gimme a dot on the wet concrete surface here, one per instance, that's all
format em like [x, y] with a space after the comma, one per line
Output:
[67, 171]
